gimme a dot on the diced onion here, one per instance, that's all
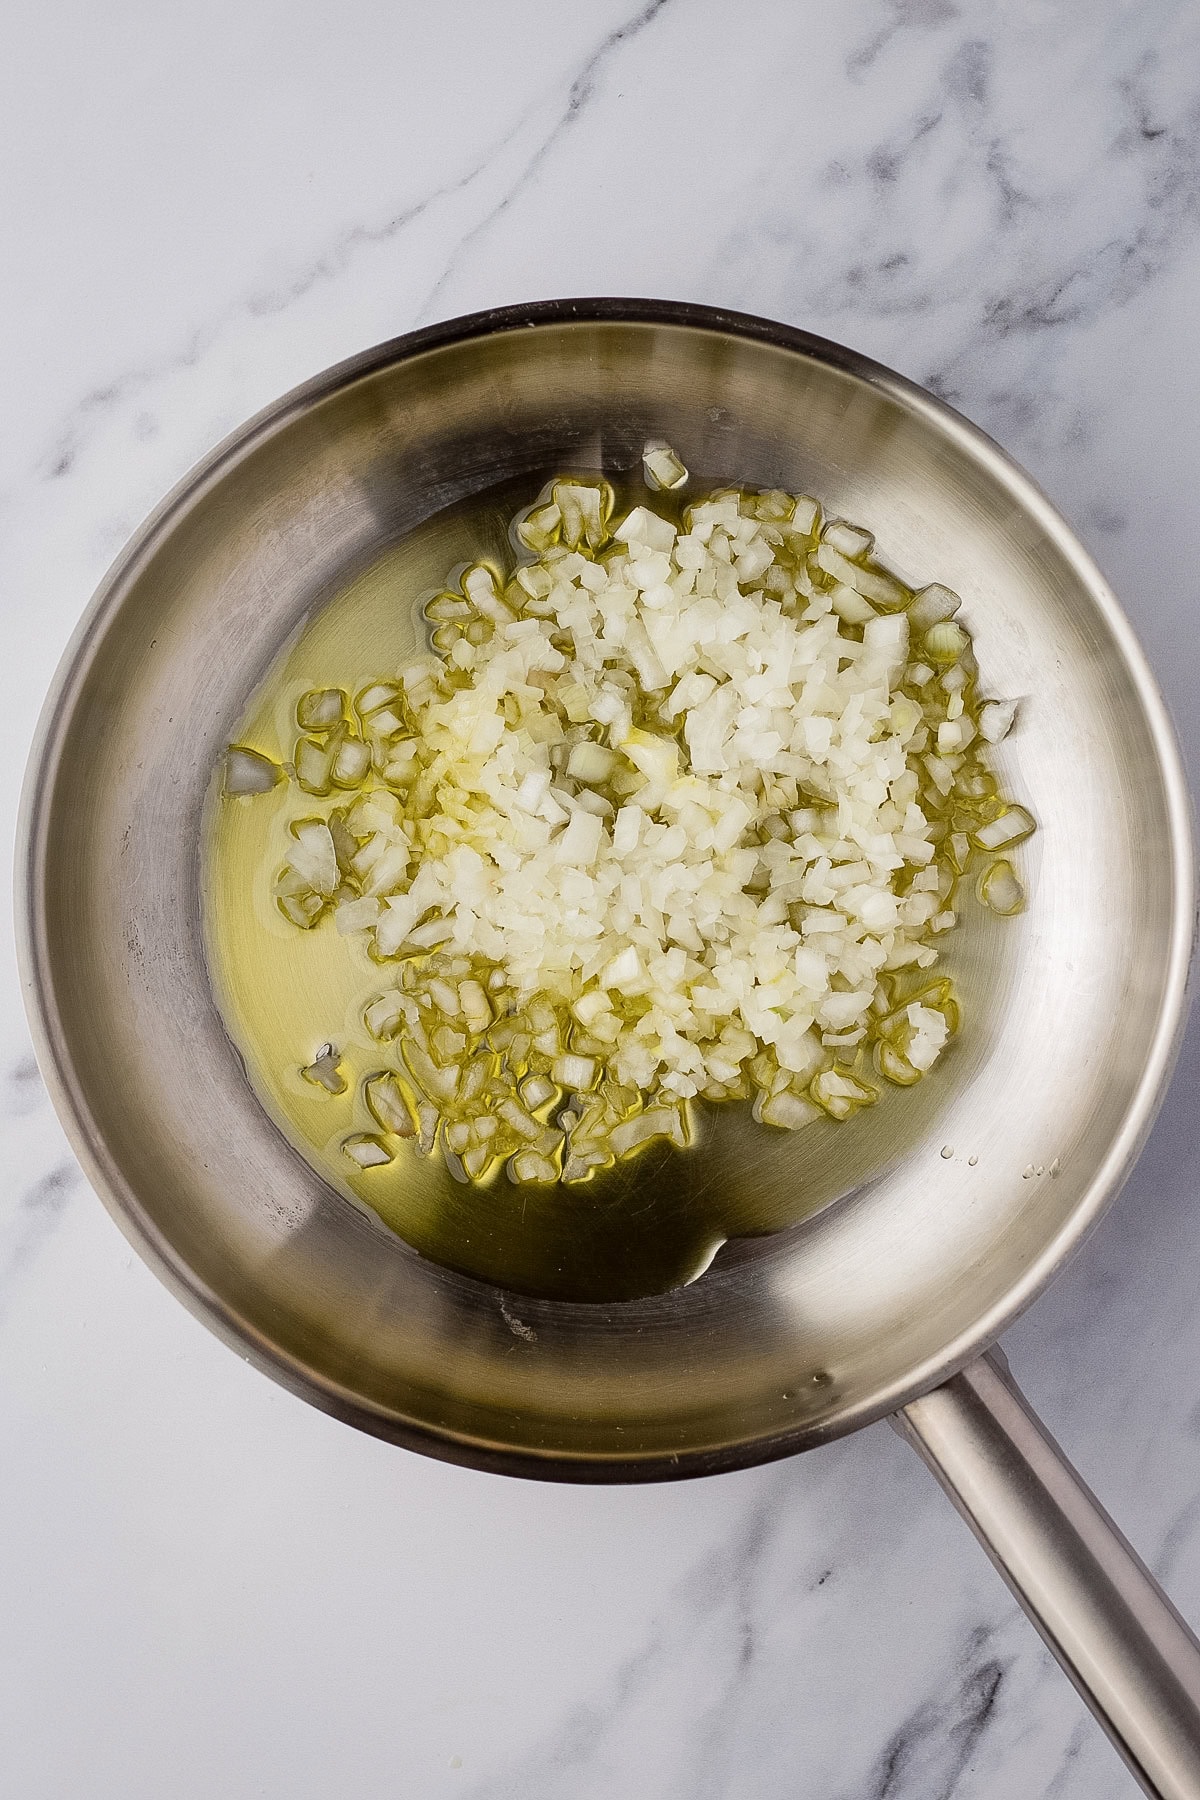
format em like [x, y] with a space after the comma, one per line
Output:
[578, 1072]
[850, 605]
[528, 1166]
[324, 1071]
[590, 762]
[248, 772]
[1009, 828]
[945, 641]
[385, 1097]
[849, 540]
[368, 1152]
[351, 762]
[1000, 890]
[928, 1034]
[535, 1090]
[428, 1120]
[670, 813]
[663, 467]
[541, 527]
[514, 1115]
[585, 508]
[321, 709]
[786, 1110]
[931, 605]
[384, 1017]
[357, 915]
[996, 719]
[314, 765]
[313, 856]
[379, 694]
[655, 1122]
[840, 1094]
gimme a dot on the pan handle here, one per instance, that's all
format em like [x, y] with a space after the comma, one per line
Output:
[1094, 1601]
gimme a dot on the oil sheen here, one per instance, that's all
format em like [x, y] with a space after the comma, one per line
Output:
[649, 1224]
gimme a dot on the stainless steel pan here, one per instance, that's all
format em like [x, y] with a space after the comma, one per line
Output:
[884, 1302]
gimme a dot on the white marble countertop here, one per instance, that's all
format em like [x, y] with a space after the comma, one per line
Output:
[208, 1588]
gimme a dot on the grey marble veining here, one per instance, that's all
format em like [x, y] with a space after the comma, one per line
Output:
[208, 1588]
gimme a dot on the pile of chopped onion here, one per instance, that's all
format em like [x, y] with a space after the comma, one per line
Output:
[670, 812]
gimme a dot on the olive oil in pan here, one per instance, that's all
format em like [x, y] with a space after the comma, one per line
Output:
[651, 1223]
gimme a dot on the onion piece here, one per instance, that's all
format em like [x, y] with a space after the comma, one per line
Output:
[928, 1032]
[353, 916]
[474, 1005]
[529, 1167]
[515, 1116]
[443, 609]
[655, 1122]
[384, 1017]
[945, 641]
[850, 540]
[839, 1093]
[438, 1084]
[447, 1044]
[786, 1110]
[303, 908]
[351, 761]
[575, 1072]
[1012, 825]
[850, 605]
[999, 889]
[324, 1070]
[427, 937]
[445, 996]
[663, 468]
[365, 1151]
[248, 771]
[885, 641]
[312, 856]
[313, 763]
[428, 1120]
[389, 1105]
[806, 516]
[996, 720]
[380, 694]
[479, 585]
[590, 762]
[871, 584]
[477, 1161]
[535, 1090]
[894, 1066]
[385, 724]
[585, 508]
[541, 527]
[591, 1007]
[321, 709]
[931, 605]
[623, 972]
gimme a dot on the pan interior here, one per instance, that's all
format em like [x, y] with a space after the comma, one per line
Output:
[963, 1194]
[649, 1224]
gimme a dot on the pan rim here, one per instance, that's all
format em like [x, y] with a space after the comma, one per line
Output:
[122, 1202]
